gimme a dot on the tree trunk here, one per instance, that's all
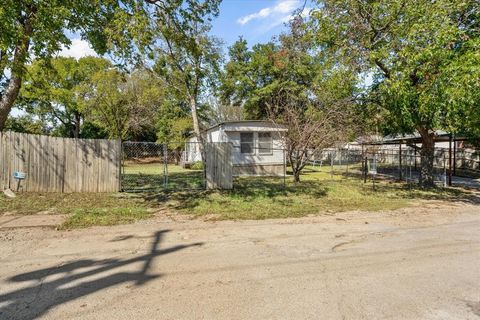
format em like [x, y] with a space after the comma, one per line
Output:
[196, 127]
[8, 99]
[77, 125]
[427, 153]
[18, 68]
[296, 175]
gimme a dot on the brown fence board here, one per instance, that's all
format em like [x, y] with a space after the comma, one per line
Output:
[219, 168]
[59, 164]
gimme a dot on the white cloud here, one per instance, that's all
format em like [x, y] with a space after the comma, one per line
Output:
[78, 49]
[279, 12]
[286, 18]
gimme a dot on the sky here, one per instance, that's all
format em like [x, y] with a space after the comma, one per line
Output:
[256, 20]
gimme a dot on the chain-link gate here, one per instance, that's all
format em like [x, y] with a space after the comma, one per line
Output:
[149, 166]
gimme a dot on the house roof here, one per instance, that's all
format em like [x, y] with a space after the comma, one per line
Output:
[413, 138]
[245, 123]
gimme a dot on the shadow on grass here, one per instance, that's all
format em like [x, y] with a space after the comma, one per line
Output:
[173, 181]
[251, 189]
[46, 293]
[245, 189]
[387, 186]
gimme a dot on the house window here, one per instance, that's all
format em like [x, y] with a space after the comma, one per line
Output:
[246, 142]
[265, 143]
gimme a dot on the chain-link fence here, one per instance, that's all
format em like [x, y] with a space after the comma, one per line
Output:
[149, 166]
[402, 164]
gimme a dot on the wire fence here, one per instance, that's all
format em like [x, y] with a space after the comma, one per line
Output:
[148, 166]
[401, 164]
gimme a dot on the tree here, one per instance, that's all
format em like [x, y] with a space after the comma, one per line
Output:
[51, 91]
[123, 105]
[312, 126]
[312, 96]
[27, 124]
[40, 28]
[250, 78]
[187, 57]
[422, 57]
[217, 112]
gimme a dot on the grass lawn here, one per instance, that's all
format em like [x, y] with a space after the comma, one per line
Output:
[252, 198]
[319, 192]
[151, 177]
[83, 209]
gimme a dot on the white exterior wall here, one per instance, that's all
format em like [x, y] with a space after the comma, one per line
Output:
[256, 159]
[230, 132]
[192, 151]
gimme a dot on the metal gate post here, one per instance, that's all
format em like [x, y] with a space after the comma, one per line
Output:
[400, 161]
[284, 170]
[165, 166]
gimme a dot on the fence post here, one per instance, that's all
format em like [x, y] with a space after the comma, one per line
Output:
[332, 154]
[365, 166]
[284, 170]
[121, 162]
[348, 160]
[454, 158]
[444, 171]
[450, 161]
[165, 166]
[400, 161]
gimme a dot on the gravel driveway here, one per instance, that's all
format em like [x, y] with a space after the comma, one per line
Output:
[417, 263]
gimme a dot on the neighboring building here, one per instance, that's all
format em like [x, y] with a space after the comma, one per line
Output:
[257, 146]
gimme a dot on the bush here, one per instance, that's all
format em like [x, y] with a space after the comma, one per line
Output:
[198, 165]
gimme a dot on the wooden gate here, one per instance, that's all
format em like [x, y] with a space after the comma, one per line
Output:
[218, 166]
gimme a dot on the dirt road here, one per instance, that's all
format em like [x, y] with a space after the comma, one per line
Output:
[421, 263]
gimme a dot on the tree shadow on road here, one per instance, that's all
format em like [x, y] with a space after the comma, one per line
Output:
[64, 284]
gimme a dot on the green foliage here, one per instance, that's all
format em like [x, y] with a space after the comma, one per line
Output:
[123, 105]
[41, 28]
[174, 124]
[423, 57]
[187, 58]
[287, 67]
[26, 124]
[198, 165]
[52, 91]
[84, 218]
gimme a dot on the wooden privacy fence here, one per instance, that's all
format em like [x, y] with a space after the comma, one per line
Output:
[59, 164]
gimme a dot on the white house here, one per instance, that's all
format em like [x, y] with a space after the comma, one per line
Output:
[257, 146]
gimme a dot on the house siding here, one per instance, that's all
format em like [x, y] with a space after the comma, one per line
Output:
[246, 164]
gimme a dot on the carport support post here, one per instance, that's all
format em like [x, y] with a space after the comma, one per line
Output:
[450, 161]
[415, 157]
[454, 158]
[444, 170]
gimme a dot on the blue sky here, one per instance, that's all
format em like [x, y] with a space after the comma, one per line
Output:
[256, 20]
